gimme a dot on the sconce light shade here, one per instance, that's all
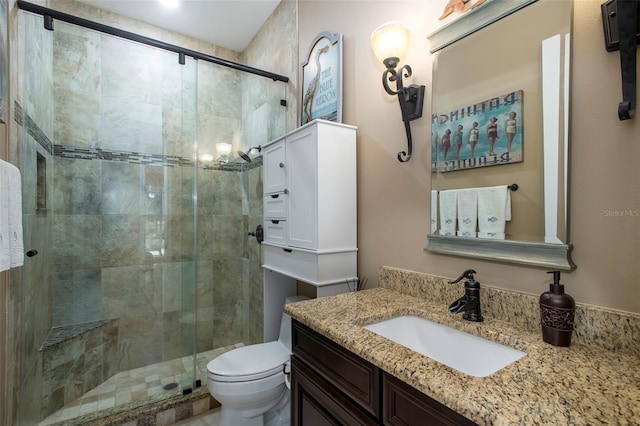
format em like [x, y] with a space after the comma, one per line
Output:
[390, 43]
[390, 40]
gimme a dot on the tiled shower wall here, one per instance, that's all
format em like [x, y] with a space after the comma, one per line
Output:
[123, 196]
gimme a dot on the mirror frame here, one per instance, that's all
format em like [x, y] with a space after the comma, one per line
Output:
[527, 253]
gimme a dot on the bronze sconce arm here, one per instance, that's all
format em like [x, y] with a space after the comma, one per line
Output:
[410, 98]
[390, 42]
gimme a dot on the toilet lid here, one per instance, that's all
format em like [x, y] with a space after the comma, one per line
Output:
[249, 362]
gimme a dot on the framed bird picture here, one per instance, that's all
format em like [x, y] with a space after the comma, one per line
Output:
[321, 80]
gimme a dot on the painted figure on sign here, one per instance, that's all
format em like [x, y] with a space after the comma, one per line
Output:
[446, 143]
[510, 125]
[473, 137]
[492, 133]
[457, 140]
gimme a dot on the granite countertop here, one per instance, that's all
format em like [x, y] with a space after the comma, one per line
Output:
[579, 385]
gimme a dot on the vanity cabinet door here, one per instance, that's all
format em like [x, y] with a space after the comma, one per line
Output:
[355, 377]
[405, 406]
[315, 402]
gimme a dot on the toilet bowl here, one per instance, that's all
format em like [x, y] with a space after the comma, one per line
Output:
[249, 382]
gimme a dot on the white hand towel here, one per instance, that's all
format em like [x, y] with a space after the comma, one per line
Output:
[493, 206]
[467, 212]
[15, 216]
[5, 241]
[434, 211]
[448, 205]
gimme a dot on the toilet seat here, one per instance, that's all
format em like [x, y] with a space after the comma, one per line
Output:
[249, 363]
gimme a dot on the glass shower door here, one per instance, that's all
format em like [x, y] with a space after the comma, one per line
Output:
[108, 154]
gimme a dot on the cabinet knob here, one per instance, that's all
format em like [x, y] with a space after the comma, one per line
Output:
[286, 191]
[281, 165]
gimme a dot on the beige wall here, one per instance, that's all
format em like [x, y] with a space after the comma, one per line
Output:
[393, 202]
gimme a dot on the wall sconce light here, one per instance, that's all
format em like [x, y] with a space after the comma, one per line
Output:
[223, 149]
[390, 43]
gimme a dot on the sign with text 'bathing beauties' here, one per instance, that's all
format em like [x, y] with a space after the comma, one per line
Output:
[488, 133]
[321, 80]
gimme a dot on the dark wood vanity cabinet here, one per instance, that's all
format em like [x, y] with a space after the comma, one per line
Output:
[332, 386]
[406, 406]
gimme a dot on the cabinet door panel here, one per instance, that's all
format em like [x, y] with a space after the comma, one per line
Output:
[314, 402]
[405, 406]
[357, 378]
[274, 168]
[302, 169]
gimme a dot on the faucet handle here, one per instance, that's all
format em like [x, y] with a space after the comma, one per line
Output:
[468, 274]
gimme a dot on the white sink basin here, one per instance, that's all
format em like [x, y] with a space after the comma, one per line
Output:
[462, 351]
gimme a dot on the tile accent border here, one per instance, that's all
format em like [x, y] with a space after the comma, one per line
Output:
[89, 153]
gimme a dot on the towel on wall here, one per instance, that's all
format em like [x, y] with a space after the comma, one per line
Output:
[448, 206]
[434, 211]
[467, 212]
[494, 209]
[11, 232]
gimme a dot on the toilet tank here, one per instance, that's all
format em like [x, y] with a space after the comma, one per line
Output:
[285, 324]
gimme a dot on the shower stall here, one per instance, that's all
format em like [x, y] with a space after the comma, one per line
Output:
[140, 266]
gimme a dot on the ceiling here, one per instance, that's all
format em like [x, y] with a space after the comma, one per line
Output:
[226, 23]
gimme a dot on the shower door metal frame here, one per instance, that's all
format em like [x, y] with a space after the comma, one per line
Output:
[51, 14]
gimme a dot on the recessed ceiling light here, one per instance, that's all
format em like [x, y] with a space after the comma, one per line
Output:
[169, 3]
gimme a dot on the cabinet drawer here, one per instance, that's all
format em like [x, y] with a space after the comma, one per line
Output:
[315, 268]
[274, 231]
[406, 406]
[275, 206]
[352, 375]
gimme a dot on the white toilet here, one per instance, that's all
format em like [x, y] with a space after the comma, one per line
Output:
[249, 382]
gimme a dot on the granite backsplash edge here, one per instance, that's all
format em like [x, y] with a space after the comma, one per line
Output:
[593, 325]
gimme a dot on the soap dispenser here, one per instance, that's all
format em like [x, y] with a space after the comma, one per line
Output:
[557, 311]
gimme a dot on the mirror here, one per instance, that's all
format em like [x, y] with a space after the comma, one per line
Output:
[500, 116]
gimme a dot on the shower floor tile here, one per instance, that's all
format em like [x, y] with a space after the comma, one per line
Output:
[137, 384]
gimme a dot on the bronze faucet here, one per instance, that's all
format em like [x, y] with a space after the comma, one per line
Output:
[470, 302]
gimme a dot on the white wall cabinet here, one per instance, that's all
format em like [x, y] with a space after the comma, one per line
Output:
[310, 223]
